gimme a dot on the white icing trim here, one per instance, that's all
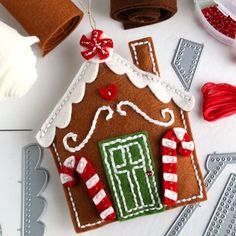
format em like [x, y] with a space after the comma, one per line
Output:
[61, 115]
[145, 116]
[90, 133]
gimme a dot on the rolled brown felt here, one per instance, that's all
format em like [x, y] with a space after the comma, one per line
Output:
[136, 13]
[50, 20]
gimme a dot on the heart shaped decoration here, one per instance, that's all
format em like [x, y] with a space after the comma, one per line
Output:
[109, 92]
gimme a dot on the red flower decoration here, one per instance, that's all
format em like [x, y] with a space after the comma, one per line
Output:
[109, 92]
[96, 45]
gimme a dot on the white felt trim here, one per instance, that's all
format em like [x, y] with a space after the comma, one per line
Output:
[61, 115]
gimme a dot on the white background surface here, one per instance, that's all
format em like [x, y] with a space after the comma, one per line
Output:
[55, 72]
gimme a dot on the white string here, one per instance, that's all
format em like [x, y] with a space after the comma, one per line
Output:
[89, 12]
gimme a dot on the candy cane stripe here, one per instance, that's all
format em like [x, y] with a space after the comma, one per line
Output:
[81, 165]
[174, 141]
[99, 197]
[65, 178]
[169, 143]
[170, 177]
[107, 212]
[169, 159]
[171, 195]
[179, 132]
[92, 182]
[188, 145]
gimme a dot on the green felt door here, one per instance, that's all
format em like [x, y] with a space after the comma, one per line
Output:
[131, 174]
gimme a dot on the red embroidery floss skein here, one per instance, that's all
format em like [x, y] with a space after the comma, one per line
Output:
[219, 101]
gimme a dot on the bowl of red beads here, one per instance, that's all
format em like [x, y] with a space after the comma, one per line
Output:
[218, 17]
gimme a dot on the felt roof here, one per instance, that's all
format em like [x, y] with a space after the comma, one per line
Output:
[61, 115]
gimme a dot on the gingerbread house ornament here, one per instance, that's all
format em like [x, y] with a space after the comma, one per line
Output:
[121, 138]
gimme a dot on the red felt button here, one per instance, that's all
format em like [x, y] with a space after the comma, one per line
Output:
[109, 92]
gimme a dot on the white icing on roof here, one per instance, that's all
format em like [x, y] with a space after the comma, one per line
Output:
[61, 114]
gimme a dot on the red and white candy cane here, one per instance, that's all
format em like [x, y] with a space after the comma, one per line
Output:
[92, 181]
[175, 140]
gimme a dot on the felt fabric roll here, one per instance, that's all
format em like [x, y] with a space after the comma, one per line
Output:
[136, 13]
[50, 20]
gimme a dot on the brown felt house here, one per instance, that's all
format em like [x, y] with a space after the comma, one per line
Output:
[78, 126]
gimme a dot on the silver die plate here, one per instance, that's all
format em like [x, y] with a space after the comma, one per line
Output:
[215, 164]
[223, 220]
[185, 61]
[34, 181]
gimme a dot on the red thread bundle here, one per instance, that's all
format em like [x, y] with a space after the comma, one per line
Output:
[219, 101]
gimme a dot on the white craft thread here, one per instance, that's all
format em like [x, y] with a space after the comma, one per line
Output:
[119, 183]
[145, 116]
[90, 133]
[72, 199]
[17, 63]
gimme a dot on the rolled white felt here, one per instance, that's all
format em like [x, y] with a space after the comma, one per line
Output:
[17, 63]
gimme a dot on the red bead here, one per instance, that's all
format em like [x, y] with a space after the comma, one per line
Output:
[109, 92]
[224, 24]
[149, 173]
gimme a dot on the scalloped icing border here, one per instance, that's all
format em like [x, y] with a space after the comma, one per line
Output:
[61, 114]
